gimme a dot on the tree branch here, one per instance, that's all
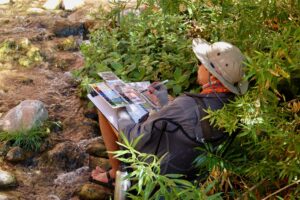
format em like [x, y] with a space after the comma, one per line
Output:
[281, 189]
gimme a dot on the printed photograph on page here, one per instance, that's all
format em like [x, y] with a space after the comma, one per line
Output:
[127, 92]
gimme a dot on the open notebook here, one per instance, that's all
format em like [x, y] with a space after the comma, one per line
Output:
[113, 95]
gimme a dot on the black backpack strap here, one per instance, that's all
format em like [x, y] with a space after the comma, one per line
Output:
[206, 128]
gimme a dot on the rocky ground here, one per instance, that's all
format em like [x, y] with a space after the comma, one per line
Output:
[40, 48]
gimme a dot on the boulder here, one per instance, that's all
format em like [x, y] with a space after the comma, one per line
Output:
[67, 156]
[16, 154]
[66, 28]
[26, 115]
[5, 2]
[80, 175]
[93, 192]
[7, 180]
[97, 149]
[72, 5]
[52, 4]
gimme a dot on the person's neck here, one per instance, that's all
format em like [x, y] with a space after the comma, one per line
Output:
[214, 85]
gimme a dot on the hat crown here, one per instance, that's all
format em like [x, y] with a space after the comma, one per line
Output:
[227, 60]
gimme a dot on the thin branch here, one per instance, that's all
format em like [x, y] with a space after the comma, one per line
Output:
[281, 189]
[252, 188]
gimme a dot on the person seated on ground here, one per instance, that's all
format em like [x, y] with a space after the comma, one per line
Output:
[220, 74]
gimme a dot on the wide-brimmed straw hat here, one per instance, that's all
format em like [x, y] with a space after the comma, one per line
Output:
[224, 61]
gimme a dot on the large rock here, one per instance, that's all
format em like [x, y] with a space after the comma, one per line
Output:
[5, 1]
[97, 149]
[52, 4]
[72, 4]
[7, 180]
[67, 156]
[93, 192]
[26, 115]
[73, 177]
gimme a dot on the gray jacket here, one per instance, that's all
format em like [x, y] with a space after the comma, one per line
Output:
[179, 147]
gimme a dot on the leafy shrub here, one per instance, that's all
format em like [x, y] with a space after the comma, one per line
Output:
[267, 116]
[151, 46]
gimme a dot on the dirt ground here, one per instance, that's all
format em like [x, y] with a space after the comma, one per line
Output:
[48, 80]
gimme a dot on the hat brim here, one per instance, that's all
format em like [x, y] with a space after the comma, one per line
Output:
[201, 48]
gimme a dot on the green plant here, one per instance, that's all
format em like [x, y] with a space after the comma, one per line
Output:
[29, 140]
[142, 48]
[149, 183]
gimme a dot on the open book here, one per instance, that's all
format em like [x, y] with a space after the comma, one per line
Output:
[114, 95]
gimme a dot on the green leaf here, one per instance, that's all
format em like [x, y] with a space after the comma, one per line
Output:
[177, 74]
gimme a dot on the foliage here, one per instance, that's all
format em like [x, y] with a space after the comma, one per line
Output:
[142, 48]
[149, 183]
[267, 149]
[264, 159]
[20, 52]
[29, 140]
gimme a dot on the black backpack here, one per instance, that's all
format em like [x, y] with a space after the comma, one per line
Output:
[180, 155]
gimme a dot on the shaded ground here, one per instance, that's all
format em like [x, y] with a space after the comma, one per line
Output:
[49, 81]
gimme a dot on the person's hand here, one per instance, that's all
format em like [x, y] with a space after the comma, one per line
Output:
[160, 92]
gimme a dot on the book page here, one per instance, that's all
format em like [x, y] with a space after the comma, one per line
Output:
[112, 97]
[127, 92]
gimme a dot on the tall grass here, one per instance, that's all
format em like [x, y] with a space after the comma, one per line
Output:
[28, 140]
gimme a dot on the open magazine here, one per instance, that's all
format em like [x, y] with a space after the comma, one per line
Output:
[113, 95]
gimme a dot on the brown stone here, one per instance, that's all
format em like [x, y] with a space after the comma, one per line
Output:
[93, 192]
[97, 149]
[67, 156]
